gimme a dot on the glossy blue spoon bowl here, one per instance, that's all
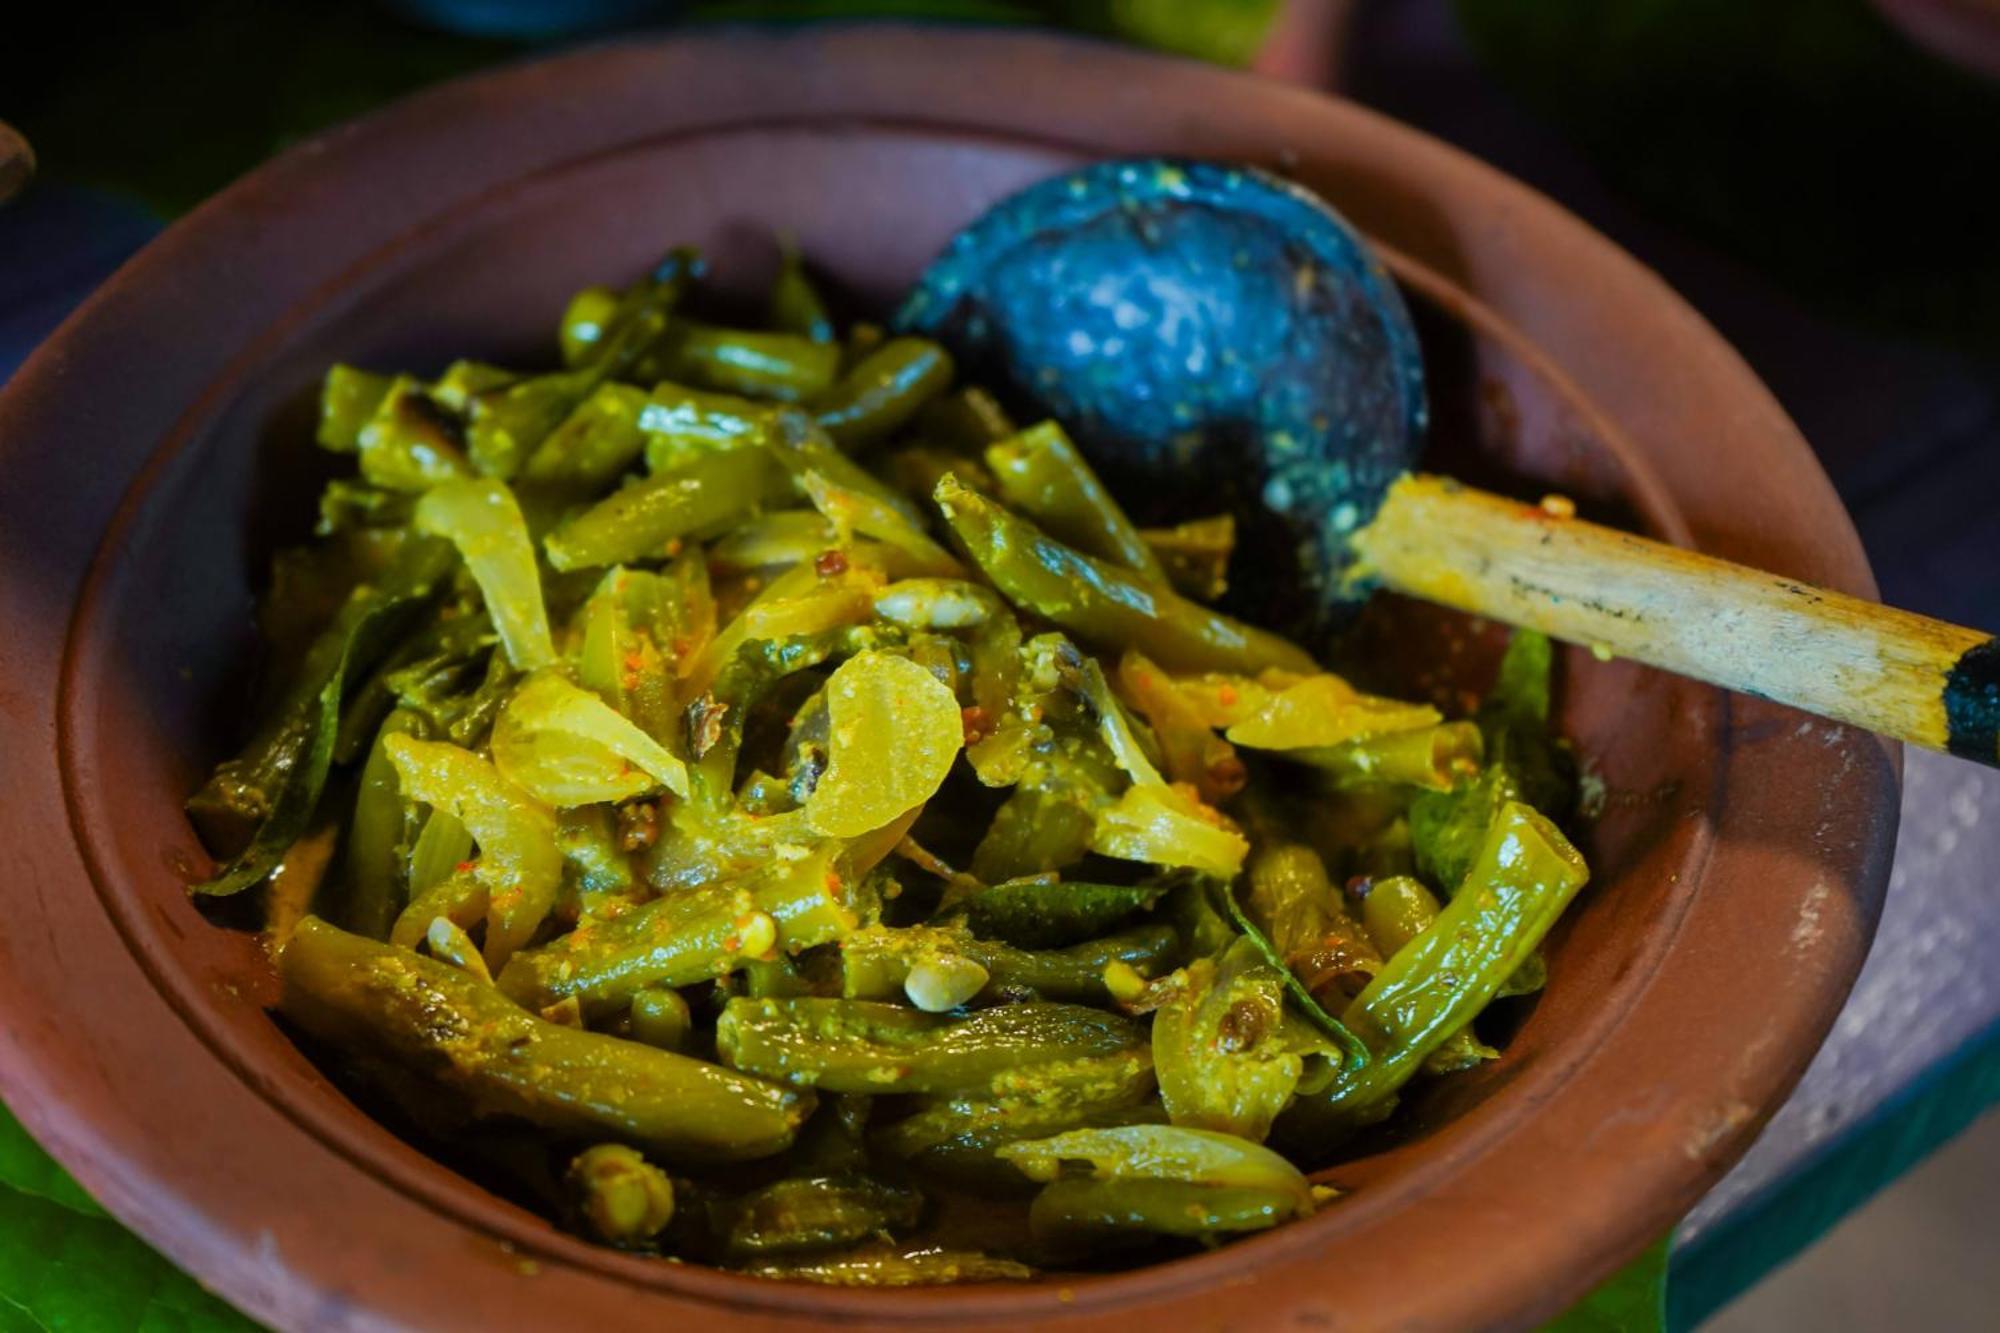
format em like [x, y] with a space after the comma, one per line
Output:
[1216, 339]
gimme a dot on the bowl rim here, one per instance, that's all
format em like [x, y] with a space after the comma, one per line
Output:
[916, 76]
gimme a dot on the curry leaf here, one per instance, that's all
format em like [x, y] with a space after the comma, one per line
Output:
[1354, 1054]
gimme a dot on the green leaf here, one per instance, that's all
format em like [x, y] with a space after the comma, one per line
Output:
[61, 1269]
[1632, 1300]
[1523, 763]
[1226, 31]
[1514, 720]
[15, 1318]
[65, 1265]
[1447, 828]
[24, 1167]
[1354, 1054]
[289, 768]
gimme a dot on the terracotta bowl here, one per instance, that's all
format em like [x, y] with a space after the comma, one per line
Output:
[152, 456]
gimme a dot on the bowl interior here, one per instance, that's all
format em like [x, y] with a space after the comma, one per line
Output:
[158, 675]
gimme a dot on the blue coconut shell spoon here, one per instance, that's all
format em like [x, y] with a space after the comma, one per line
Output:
[1217, 338]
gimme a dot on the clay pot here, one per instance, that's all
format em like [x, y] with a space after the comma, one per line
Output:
[153, 453]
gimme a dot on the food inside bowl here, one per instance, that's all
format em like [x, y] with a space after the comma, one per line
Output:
[750, 798]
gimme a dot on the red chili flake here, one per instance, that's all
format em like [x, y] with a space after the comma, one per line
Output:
[464, 867]
[833, 881]
[635, 660]
[830, 564]
[977, 724]
[1226, 695]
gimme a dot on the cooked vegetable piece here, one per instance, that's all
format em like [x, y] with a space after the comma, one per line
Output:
[507, 423]
[448, 942]
[1396, 909]
[918, 1267]
[689, 936]
[1015, 1050]
[1195, 554]
[347, 400]
[1300, 911]
[937, 603]
[1102, 603]
[1434, 758]
[460, 898]
[893, 734]
[882, 962]
[960, 1137]
[1197, 924]
[639, 319]
[464, 380]
[1321, 710]
[481, 519]
[680, 425]
[1113, 726]
[640, 520]
[787, 537]
[967, 420]
[1048, 823]
[1526, 873]
[1169, 826]
[858, 513]
[411, 442]
[625, 1199]
[594, 445]
[660, 1017]
[261, 801]
[883, 390]
[519, 865]
[599, 879]
[796, 306]
[786, 367]
[375, 876]
[1042, 475]
[1447, 829]
[589, 313]
[802, 447]
[1165, 1152]
[624, 649]
[1045, 912]
[1189, 748]
[441, 845]
[381, 1002]
[1220, 1047]
[565, 746]
[813, 1213]
[1514, 719]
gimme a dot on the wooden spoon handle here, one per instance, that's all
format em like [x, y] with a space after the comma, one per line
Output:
[1903, 675]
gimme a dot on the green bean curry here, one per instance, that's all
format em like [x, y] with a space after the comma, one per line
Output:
[745, 796]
